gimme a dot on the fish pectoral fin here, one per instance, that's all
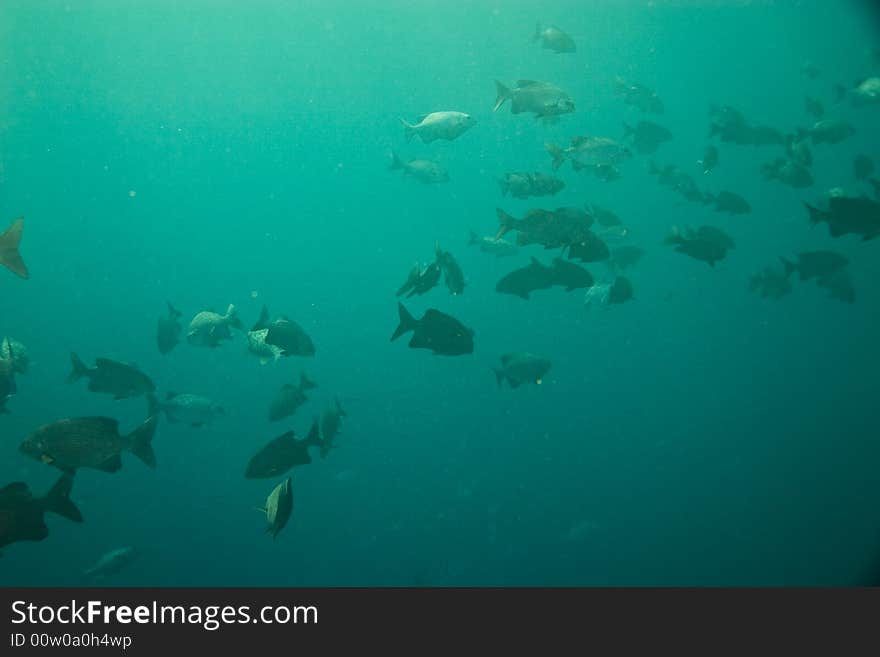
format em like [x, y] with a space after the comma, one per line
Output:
[112, 464]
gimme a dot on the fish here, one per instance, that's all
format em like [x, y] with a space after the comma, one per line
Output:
[863, 166]
[121, 380]
[624, 257]
[15, 352]
[798, 151]
[525, 280]
[425, 171]
[112, 563]
[496, 246]
[438, 332]
[703, 245]
[839, 286]
[788, 172]
[677, 180]
[829, 131]
[22, 514]
[621, 290]
[602, 216]
[190, 409]
[586, 151]
[285, 334]
[281, 454]
[549, 228]
[521, 367]
[810, 70]
[864, 92]
[613, 234]
[814, 264]
[279, 507]
[7, 382]
[730, 203]
[597, 295]
[591, 248]
[731, 126]
[639, 96]
[289, 398]
[257, 346]
[770, 282]
[421, 281]
[814, 107]
[523, 185]
[710, 159]
[453, 276]
[91, 442]
[331, 419]
[570, 276]
[209, 329]
[848, 215]
[446, 125]
[168, 330]
[553, 38]
[647, 136]
[542, 99]
[9, 254]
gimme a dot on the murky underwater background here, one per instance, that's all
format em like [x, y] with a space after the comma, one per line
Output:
[216, 153]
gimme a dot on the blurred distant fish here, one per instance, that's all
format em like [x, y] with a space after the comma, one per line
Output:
[7, 382]
[707, 243]
[810, 70]
[168, 330]
[770, 283]
[798, 150]
[331, 420]
[425, 171]
[863, 166]
[112, 563]
[289, 398]
[710, 159]
[587, 151]
[815, 264]
[553, 38]
[9, 255]
[624, 257]
[543, 99]
[829, 131]
[839, 286]
[788, 172]
[814, 107]
[848, 216]
[453, 276]
[647, 136]
[281, 454]
[209, 329]
[729, 202]
[446, 125]
[602, 216]
[121, 380]
[864, 92]
[521, 367]
[494, 245]
[190, 409]
[279, 507]
[21, 514]
[638, 95]
[524, 185]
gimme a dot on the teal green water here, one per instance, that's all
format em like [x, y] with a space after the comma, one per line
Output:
[220, 153]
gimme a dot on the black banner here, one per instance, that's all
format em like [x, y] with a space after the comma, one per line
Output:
[546, 621]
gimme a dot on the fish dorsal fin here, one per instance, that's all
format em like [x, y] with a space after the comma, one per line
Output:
[263, 321]
[112, 464]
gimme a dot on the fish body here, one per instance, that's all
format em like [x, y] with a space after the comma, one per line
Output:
[9, 254]
[553, 38]
[646, 136]
[168, 330]
[21, 514]
[425, 171]
[289, 398]
[588, 151]
[639, 96]
[496, 246]
[437, 332]
[542, 99]
[849, 215]
[121, 380]
[190, 409]
[210, 329]
[520, 368]
[525, 280]
[523, 185]
[446, 125]
[281, 454]
[331, 420]
[112, 563]
[279, 507]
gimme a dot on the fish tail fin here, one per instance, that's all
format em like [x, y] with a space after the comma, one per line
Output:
[58, 500]
[141, 438]
[816, 215]
[789, 266]
[505, 223]
[9, 255]
[305, 383]
[407, 322]
[174, 312]
[233, 319]
[499, 376]
[79, 368]
[556, 153]
[409, 130]
[263, 321]
[502, 94]
[313, 439]
[396, 162]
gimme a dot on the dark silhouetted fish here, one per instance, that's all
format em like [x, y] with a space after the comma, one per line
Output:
[624, 257]
[591, 248]
[15, 351]
[570, 276]
[421, 281]
[525, 280]
[729, 202]
[710, 159]
[7, 382]
[9, 255]
[701, 245]
[846, 215]
[112, 377]
[788, 172]
[436, 331]
[289, 398]
[814, 107]
[521, 367]
[452, 274]
[285, 334]
[839, 286]
[638, 95]
[647, 136]
[331, 420]
[168, 330]
[621, 290]
[281, 454]
[21, 514]
[770, 283]
[815, 264]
